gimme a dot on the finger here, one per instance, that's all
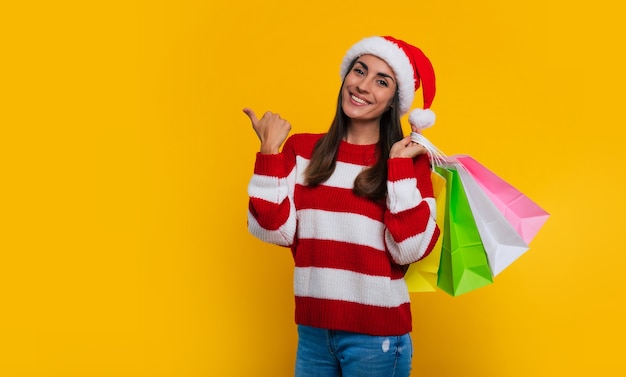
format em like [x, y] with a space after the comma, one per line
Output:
[251, 114]
[419, 148]
[271, 115]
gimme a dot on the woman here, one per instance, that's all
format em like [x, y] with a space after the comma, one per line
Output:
[356, 207]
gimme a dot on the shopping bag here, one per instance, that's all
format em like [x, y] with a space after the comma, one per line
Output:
[422, 275]
[502, 243]
[523, 214]
[463, 266]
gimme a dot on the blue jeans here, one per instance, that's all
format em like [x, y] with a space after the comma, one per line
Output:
[329, 353]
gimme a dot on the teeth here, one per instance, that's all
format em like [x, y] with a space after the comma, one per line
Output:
[357, 99]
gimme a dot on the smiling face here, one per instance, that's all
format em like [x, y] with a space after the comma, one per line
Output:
[368, 90]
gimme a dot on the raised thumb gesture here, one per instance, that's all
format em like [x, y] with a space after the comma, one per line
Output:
[271, 129]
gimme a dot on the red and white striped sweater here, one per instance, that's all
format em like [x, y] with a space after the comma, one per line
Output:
[347, 249]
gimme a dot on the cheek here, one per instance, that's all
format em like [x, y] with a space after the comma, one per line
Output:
[389, 98]
[349, 80]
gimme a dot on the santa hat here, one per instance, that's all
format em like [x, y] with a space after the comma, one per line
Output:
[411, 68]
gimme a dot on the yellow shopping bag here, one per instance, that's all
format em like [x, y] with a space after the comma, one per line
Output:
[422, 275]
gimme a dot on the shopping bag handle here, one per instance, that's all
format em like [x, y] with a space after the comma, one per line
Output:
[437, 157]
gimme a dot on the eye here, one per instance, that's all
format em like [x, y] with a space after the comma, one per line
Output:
[358, 71]
[383, 83]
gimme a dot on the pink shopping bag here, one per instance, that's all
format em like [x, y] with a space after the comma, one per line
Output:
[523, 214]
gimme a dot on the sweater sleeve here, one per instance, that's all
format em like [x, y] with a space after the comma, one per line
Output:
[411, 229]
[271, 211]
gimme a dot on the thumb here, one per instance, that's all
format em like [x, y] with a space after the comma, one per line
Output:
[250, 113]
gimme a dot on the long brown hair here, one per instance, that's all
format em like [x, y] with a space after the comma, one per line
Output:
[371, 182]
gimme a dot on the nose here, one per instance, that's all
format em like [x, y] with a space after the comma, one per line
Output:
[363, 85]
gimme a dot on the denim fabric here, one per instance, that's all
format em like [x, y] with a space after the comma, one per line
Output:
[329, 353]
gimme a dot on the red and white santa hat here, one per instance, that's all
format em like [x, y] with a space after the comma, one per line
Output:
[411, 68]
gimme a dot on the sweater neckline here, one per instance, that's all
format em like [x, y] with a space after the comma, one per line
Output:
[365, 153]
[356, 147]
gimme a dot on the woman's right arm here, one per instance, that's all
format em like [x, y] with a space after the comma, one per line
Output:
[271, 211]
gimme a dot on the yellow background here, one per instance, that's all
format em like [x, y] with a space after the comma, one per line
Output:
[125, 159]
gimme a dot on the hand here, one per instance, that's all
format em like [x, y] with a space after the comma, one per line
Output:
[406, 148]
[271, 129]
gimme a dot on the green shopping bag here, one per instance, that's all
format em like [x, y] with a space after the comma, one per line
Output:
[463, 266]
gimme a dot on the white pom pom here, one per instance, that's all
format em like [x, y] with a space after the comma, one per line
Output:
[421, 118]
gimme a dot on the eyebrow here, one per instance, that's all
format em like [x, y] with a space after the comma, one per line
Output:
[379, 73]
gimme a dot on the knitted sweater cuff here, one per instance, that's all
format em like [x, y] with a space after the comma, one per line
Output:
[270, 165]
[403, 168]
